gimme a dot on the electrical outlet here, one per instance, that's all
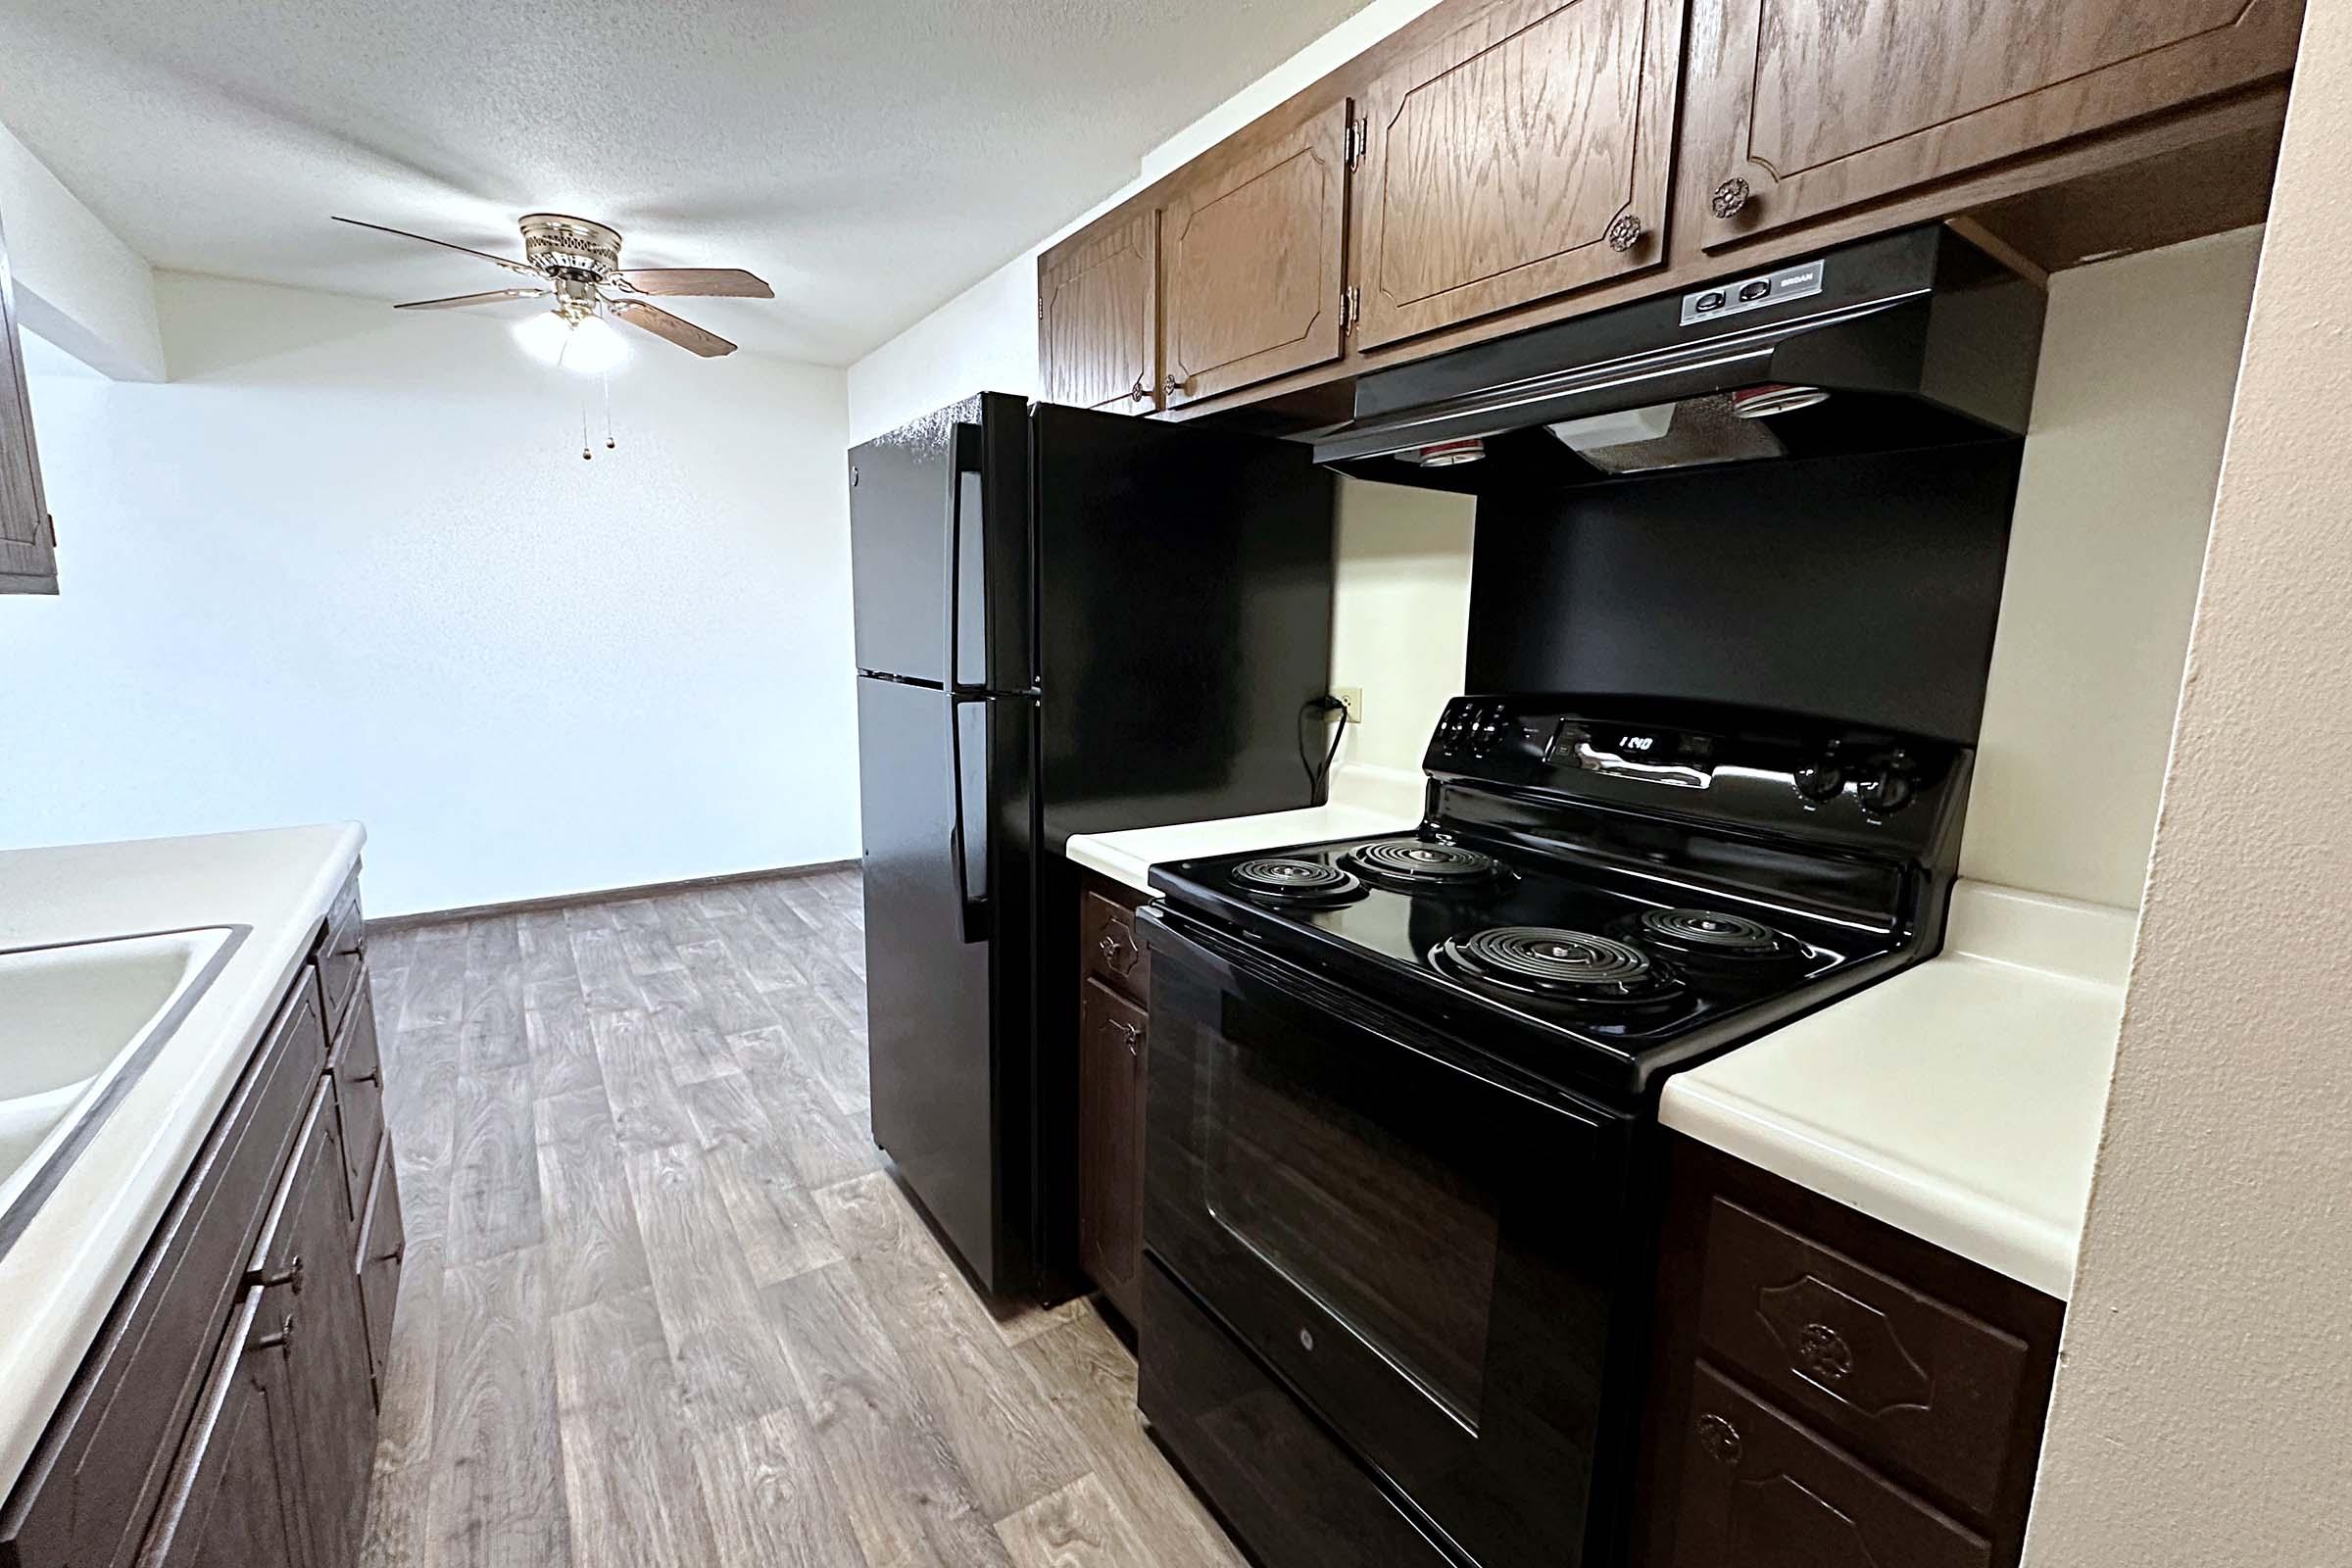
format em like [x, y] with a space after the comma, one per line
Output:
[1354, 697]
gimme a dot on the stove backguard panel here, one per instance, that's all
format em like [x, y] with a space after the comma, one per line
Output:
[1863, 589]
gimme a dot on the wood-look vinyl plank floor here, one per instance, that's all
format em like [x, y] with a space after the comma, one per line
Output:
[662, 1304]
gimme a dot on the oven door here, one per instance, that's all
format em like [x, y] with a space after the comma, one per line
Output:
[1425, 1244]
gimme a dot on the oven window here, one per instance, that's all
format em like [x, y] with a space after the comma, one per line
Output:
[1385, 1234]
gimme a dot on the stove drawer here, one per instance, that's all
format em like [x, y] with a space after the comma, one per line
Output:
[1287, 1488]
[1902, 1377]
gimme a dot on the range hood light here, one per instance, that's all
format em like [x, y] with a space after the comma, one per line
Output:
[1763, 401]
[1447, 453]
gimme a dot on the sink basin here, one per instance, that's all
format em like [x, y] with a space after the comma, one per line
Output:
[77, 1023]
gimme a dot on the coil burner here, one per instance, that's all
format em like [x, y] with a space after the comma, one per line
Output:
[1422, 865]
[1555, 965]
[1713, 935]
[1296, 882]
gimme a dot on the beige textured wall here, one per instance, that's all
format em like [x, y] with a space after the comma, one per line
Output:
[2138, 361]
[2201, 1406]
[1400, 618]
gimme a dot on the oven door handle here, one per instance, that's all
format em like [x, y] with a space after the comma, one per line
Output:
[1234, 965]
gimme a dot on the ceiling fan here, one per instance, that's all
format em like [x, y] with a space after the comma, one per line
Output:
[576, 262]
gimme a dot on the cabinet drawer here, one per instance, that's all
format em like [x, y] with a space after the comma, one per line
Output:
[359, 1075]
[382, 1250]
[1110, 1143]
[340, 953]
[1109, 948]
[1759, 1490]
[95, 1478]
[1902, 1378]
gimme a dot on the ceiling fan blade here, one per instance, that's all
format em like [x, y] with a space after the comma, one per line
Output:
[508, 262]
[685, 334]
[456, 301]
[731, 281]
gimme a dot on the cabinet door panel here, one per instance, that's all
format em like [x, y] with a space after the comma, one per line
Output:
[1761, 1491]
[1111, 1123]
[235, 1495]
[1253, 245]
[1496, 161]
[1819, 108]
[383, 1245]
[303, 1265]
[1098, 317]
[358, 1076]
[27, 545]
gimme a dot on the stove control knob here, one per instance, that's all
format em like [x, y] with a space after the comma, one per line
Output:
[1821, 783]
[1884, 795]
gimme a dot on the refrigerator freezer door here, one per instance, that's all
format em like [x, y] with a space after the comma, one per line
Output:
[900, 486]
[948, 1007]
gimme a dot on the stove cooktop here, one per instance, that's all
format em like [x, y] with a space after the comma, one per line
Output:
[1577, 971]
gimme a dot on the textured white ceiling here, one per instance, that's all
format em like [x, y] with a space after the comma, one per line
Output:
[870, 158]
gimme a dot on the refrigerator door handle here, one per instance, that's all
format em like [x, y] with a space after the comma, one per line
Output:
[975, 917]
[964, 459]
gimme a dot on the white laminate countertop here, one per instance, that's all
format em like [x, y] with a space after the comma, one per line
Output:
[60, 1277]
[1961, 1101]
[1365, 802]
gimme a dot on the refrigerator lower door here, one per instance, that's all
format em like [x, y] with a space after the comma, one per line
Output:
[948, 960]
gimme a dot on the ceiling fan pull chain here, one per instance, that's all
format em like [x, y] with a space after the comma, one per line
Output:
[607, 379]
[586, 456]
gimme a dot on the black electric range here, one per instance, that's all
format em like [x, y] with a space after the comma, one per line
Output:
[1401, 1093]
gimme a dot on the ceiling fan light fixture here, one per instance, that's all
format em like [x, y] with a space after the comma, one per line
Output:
[585, 345]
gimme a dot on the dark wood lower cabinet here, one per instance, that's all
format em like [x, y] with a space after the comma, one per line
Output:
[1830, 1392]
[225, 1414]
[236, 1500]
[1113, 1045]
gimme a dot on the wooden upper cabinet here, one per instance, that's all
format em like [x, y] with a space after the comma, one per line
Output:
[1523, 156]
[1798, 109]
[1253, 241]
[1098, 316]
[27, 541]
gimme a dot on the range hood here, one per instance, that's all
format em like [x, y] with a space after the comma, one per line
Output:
[1915, 339]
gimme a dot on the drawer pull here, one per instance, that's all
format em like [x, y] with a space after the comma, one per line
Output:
[278, 1341]
[1823, 1354]
[1131, 1035]
[393, 1256]
[374, 1075]
[1720, 1439]
[1111, 946]
[290, 1275]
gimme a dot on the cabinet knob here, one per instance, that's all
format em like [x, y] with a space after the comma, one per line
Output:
[1131, 1035]
[279, 1340]
[1140, 392]
[374, 1075]
[397, 1254]
[1823, 1354]
[1175, 384]
[1624, 233]
[1720, 1439]
[290, 1275]
[1729, 198]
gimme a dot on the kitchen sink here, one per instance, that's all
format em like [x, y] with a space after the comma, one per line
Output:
[78, 1024]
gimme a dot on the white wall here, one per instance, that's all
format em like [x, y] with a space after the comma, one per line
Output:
[2113, 505]
[350, 564]
[2207, 1364]
[76, 284]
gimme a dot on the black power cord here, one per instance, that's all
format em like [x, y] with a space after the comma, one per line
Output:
[1320, 708]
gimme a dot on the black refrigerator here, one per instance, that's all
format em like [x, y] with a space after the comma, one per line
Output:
[1067, 622]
